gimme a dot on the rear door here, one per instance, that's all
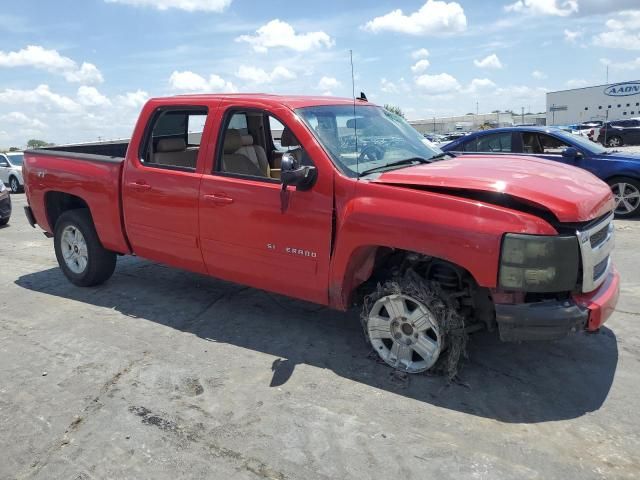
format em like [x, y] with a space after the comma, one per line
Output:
[161, 185]
[252, 231]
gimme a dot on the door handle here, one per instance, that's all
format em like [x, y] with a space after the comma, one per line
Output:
[219, 198]
[140, 186]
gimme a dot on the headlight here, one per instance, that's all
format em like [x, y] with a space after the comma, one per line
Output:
[533, 263]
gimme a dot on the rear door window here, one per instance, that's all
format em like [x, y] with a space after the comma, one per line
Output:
[497, 142]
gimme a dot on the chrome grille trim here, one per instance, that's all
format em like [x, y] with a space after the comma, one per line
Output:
[595, 249]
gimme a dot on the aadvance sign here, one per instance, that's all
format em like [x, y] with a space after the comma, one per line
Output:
[623, 89]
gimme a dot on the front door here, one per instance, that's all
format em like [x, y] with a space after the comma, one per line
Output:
[252, 232]
[160, 190]
[4, 169]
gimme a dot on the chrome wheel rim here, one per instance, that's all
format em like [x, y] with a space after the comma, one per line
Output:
[627, 197]
[404, 333]
[614, 142]
[14, 185]
[74, 249]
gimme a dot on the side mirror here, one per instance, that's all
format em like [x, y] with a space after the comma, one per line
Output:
[571, 153]
[291, 173]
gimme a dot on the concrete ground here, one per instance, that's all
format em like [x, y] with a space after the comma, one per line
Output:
[164, 374]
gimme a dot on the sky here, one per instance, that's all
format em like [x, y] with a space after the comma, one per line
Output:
[80, 70]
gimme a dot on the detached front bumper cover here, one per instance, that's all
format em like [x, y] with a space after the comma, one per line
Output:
[553, 320]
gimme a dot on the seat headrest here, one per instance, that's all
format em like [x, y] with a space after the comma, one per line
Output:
[288, 139]
[171, 145]
[232, 141]
[246, 140]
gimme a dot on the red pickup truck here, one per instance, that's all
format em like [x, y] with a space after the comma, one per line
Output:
[341, 204]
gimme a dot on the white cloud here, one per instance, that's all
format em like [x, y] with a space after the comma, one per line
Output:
[420, 66]
[91, 97]
[388, 87]
[41, 96]
[38, 57]
[630, 65]
[437, 84]
[623, 33]
[328, 84]
[433, 17]
[577, 83]
[187, 5]
[259, 76]
[88, 73]
[188, 81]
[277, 33]
[133, 99]
[560, 8]
[572, 36]
[491, 61]
[421, 53]
[480, 84]
[19, 118]
[539, 75]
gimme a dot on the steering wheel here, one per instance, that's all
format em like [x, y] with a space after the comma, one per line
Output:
[371, 152]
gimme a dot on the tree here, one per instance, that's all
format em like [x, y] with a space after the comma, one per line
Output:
[394, 109]
[14, 149]
[35, 143]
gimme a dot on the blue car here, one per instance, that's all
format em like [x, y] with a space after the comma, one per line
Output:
[620, 170]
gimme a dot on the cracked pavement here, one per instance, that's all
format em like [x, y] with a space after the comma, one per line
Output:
[165, 374]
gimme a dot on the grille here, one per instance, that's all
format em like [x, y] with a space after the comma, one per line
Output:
[600, 268]
[599, 237]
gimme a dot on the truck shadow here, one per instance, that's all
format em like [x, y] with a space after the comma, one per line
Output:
[514, 383]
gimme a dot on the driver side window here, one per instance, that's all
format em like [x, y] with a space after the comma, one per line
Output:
[551, 145]
[252, 145]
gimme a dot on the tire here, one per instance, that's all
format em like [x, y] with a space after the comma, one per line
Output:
[82, 258]
[14, 185]
[4, 222]
[627, 195]
[614, 141]
[430, 325]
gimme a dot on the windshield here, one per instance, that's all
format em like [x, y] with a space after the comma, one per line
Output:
[16, 159]
[582, 142]
[383, 137]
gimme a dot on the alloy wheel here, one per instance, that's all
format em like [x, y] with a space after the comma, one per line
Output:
[627, 197]
[74, 249]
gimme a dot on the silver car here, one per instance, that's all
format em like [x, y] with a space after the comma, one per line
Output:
[11, 170]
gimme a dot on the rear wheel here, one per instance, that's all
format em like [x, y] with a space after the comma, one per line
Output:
[614, 141]
[626, 192]
[414, 326]
[81, 256]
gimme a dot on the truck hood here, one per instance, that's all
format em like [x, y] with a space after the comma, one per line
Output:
[569, 193]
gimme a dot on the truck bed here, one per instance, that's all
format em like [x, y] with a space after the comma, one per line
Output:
[90, 172]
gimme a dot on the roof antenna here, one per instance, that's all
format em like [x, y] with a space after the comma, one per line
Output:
[355, 125]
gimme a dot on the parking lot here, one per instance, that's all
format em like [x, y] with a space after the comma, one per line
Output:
[164, 374]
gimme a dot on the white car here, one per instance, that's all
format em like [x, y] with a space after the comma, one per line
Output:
[11, 170]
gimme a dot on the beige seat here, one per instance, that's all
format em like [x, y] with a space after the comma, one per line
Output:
[233, 162]
[173, 152]
[255, 153]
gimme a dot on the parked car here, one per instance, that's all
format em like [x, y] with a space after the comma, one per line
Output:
[430, 247]
[620, 170]
[11, 170]
[589, 130]
[620, 132]
[5, 205]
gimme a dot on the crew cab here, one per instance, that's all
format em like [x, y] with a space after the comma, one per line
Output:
[341, 203]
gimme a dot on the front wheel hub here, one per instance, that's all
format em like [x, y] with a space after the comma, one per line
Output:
[404, 333]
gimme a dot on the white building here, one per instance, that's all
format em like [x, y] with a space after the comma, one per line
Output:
[601, 102]
[472, 122]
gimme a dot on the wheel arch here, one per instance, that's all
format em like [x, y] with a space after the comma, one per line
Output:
[56, 203]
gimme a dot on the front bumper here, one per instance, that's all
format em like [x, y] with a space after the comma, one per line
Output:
[552, 320]
[5, 205]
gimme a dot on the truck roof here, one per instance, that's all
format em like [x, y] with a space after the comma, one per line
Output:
[291, 101]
